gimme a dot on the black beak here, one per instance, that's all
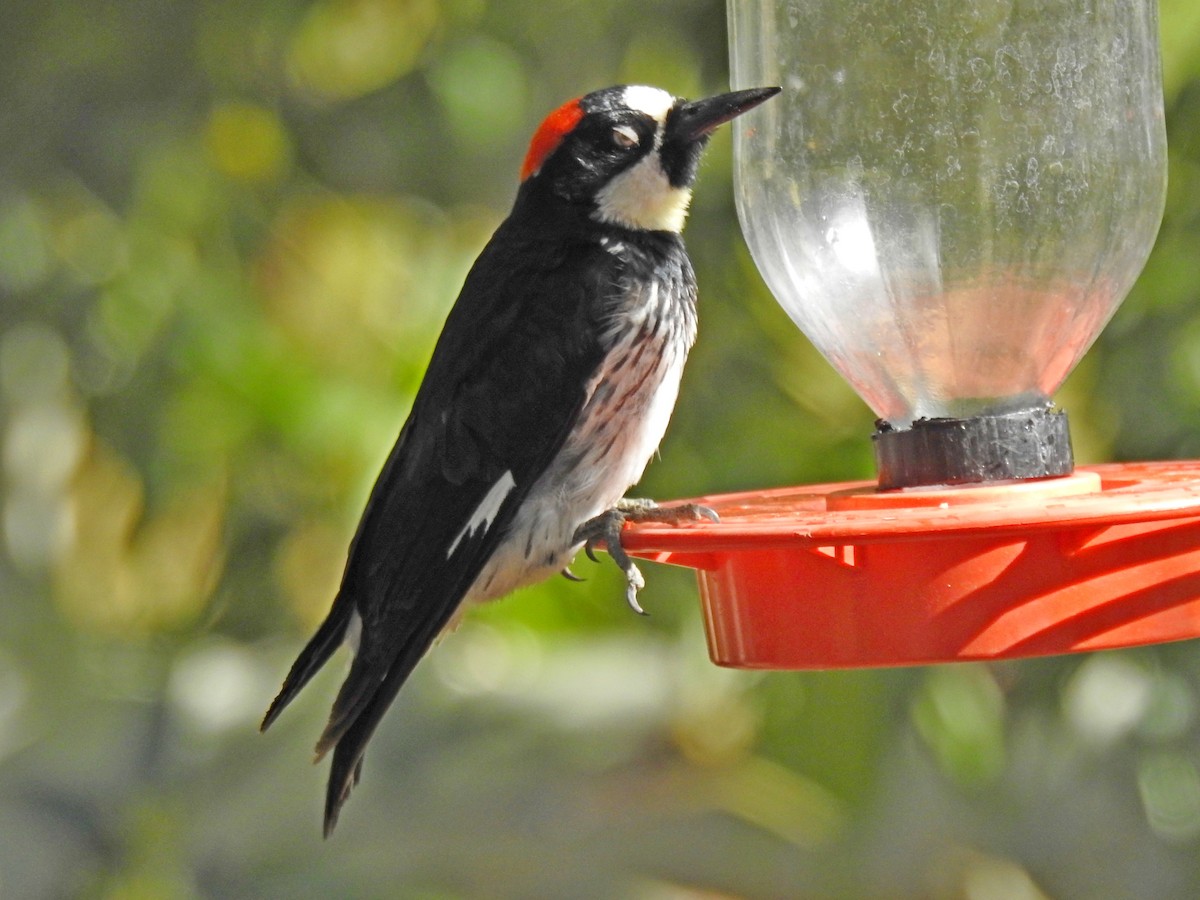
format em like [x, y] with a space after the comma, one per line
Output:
[689, 125]
[698, 119]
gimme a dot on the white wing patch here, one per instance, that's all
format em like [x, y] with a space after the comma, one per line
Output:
[485, 512]
[354, 632]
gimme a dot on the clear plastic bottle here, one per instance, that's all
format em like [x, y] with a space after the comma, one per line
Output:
[950, 197]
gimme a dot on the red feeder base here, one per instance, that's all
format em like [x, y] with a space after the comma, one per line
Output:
[840, 575]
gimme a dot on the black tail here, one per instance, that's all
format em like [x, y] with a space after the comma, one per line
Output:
[364, 698]
[318, 650]
[351, 744]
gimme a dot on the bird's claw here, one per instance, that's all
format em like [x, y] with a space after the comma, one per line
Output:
[634, 582]
[606, 529]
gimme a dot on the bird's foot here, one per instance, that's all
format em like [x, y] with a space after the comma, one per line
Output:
[606, 529]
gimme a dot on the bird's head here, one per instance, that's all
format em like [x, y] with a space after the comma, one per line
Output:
[629, 153]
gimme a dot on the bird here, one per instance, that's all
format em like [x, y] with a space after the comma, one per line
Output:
[548, 392]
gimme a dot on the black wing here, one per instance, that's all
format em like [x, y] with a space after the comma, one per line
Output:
[506, 383]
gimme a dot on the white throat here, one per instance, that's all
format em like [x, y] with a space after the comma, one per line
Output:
[643, 199]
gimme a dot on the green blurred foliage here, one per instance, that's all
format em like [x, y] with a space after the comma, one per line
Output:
[228, 236]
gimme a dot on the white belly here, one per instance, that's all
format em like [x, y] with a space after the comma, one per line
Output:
[619, 431]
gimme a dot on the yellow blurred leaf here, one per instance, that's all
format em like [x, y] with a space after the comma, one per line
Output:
[308, 567]
[347, 48]
[354, 282]
[130, 574]
[247, 142]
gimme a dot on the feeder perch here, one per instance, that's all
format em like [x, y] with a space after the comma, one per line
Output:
[950, 201]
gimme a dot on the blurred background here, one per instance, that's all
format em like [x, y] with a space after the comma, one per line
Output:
[229, 234]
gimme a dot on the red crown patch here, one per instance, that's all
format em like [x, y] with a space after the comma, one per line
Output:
[550, 134]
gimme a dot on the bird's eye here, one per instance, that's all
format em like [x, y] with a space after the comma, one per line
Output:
[625, 137]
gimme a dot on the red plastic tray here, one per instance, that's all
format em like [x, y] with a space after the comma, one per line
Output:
[841, 575]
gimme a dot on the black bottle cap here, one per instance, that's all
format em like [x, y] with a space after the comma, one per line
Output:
[1029, 443]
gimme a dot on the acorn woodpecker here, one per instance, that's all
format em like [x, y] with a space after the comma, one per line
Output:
[547, 393]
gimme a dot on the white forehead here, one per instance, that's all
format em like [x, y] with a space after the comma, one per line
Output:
[654, 102]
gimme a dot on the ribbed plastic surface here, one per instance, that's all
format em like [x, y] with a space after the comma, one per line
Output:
[841, 575]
